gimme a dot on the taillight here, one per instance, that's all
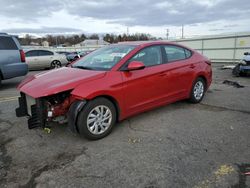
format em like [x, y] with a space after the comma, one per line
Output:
[22, 54]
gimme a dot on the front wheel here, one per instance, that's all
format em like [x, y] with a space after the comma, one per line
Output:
[55, 64]
[198, 91]
[97, 119]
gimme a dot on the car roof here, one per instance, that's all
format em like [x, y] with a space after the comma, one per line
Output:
[149, 43]
[27, 50]
[139, 43]
[7, 35]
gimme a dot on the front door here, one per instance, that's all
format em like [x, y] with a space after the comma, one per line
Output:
[143, 87]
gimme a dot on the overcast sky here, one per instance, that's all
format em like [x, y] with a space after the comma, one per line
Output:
[199, 17]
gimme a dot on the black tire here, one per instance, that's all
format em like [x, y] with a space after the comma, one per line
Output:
[236, 70]
[75, 58]
[55, 64]
[82, 125]
[1, 78]
[197, 98]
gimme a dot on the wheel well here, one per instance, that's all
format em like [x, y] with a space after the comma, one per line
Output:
[204, 78]
[1, 75]
[115, 103]
[55, 60]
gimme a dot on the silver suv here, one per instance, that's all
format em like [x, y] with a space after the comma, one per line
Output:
[12, 58]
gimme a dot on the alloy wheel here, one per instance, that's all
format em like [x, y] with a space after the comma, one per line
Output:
[99, 119]
[198, 90]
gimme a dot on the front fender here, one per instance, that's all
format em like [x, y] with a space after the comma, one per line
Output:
[111, 86]
[73, 112]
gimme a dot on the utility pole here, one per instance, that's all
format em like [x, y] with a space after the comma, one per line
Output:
[56, 41]
[127, 31]
[167, 33]
[182, 31]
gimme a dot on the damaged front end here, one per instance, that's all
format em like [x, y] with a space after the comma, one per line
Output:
[42, 110]
[35, 109]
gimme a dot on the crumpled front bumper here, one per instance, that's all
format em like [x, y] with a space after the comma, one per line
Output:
[36, 112]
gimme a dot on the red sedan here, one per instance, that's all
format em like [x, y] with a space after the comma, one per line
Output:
[113, 83]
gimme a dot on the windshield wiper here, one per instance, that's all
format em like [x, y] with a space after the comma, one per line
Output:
[83, 67]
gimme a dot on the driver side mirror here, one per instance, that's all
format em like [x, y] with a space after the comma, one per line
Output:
[246, 53]
[135, 65]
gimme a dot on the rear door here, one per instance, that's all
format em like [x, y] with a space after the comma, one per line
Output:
[179, 71]
[45, 58]
[32, 58]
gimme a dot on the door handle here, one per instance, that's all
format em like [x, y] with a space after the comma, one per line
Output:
[162, 74]
[192, 66]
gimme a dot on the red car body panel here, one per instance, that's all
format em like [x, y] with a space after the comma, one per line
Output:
[55, 81]
[133, 91]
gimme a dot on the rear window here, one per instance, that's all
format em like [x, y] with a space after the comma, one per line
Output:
[7, 43]
[31, 53]
[175, 53]
[45, 53]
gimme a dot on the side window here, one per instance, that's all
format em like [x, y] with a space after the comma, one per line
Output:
[7, 43]
[188, 53]
[175, 53]
[31, 53]
[45, 53]
[149, 56]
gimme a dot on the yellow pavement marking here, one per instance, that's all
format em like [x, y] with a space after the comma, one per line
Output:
[6, 99]
[223, 170]
[216, 176]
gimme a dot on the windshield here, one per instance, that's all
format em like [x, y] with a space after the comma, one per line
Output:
[104, 58]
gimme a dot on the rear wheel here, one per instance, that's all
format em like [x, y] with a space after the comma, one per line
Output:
[97, 119]
[1, 78]
[198, 90]
[55, 64]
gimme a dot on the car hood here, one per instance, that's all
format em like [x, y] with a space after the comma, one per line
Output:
[56, 81]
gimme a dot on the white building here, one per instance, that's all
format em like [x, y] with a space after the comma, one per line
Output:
[92, 42]
[220, 48]
[45, 43]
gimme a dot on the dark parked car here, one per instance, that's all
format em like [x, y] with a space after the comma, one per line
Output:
[63, 52]
[76, 55]
[12, 58]
[73, 56]
[83, 53]
[243, 67]
[114, 83]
